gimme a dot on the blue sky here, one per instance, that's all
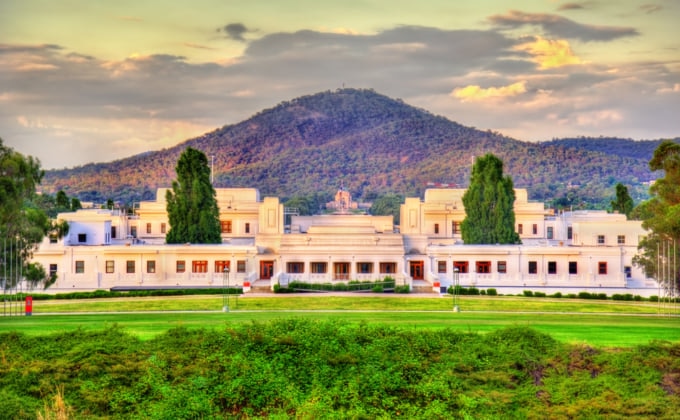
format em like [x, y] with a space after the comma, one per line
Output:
[86, 81]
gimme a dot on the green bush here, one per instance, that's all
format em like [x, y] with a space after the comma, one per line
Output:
[492, 292]
[557, 295]
[528, 293]
[402, 289]
[302, 368]
[539, 294]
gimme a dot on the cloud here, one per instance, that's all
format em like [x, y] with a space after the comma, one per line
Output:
[651, 8]
[561, 27]
[571, 6]
[549, 53]
[474, 92]
[234, 31]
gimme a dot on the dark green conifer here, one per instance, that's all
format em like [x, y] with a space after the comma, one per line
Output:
[192, 205]
[489, 205]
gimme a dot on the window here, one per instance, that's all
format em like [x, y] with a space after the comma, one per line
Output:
[628, 270]
[221, 265]
[573, 267]
[82, 238]
[318, 267]
[180, 266]
[199, 266]
[533, 267]
[110, 267]
[600, 239]
[163, 228]
[151, 266]
[534, 229]
[550, 232]
[502, 267]
[365, 267]
[133, 231]
[462, 266]
[441, 266]
[552, 267]
[295, 267]
[341, 271]
[602, 268]
[80, 266]
[53, 270]
[388, 268]
[455, 227]
[148, 228]
[436, 228]
[247, 227]
[483, 267]
[621, 239]
[113, 231]
[241, 266]
[520, 229]
[226, 226]
[570, 232]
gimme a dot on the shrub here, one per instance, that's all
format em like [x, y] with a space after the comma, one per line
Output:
[653, 298]
[528, 293]
[402, 289]
[539, 294]
[482, 292]
[377, 289]
[585, 295]
[491, 292]
[557, 295]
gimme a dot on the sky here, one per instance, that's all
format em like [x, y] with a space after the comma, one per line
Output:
[94, 81]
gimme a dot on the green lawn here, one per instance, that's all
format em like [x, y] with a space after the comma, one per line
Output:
[598, 323]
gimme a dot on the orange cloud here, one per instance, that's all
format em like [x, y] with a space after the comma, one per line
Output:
[475, 92]
[550, 53]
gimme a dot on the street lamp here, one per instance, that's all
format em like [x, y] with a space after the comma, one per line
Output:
[456, 286]
[225, 287]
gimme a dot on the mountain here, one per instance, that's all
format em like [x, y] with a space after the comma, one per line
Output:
[370, 143]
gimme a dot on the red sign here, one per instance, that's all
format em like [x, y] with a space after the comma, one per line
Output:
[29, 305]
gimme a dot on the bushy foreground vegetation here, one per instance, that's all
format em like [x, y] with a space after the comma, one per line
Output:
[332, 369]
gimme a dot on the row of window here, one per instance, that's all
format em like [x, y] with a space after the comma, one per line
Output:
[197, 266]
[550, 232]
[484, 267]
[225, 226]
[341, 267]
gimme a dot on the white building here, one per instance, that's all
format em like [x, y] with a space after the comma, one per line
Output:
[571, 251]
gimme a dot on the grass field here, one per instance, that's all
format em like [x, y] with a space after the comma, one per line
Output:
[598, 323]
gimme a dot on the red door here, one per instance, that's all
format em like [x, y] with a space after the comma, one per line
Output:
[266, 270]
[416, 270]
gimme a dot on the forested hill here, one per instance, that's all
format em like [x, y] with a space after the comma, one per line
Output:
[371, 143]
[611, 145]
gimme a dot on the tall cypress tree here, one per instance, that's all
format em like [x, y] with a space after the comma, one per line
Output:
[489, 205]
[192, 204]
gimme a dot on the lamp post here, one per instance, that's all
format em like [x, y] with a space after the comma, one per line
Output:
[456, 284]
[225, 287]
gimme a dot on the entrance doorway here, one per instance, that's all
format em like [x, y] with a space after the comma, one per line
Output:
[266, 270]
[416, 269]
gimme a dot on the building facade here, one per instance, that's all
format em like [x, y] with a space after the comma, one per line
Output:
[583, 250]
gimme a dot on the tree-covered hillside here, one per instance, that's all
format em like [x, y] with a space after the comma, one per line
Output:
[373, 144]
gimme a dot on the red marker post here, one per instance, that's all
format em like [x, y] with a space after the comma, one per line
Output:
[29, 305]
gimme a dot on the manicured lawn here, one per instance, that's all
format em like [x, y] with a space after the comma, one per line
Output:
[611, 324]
